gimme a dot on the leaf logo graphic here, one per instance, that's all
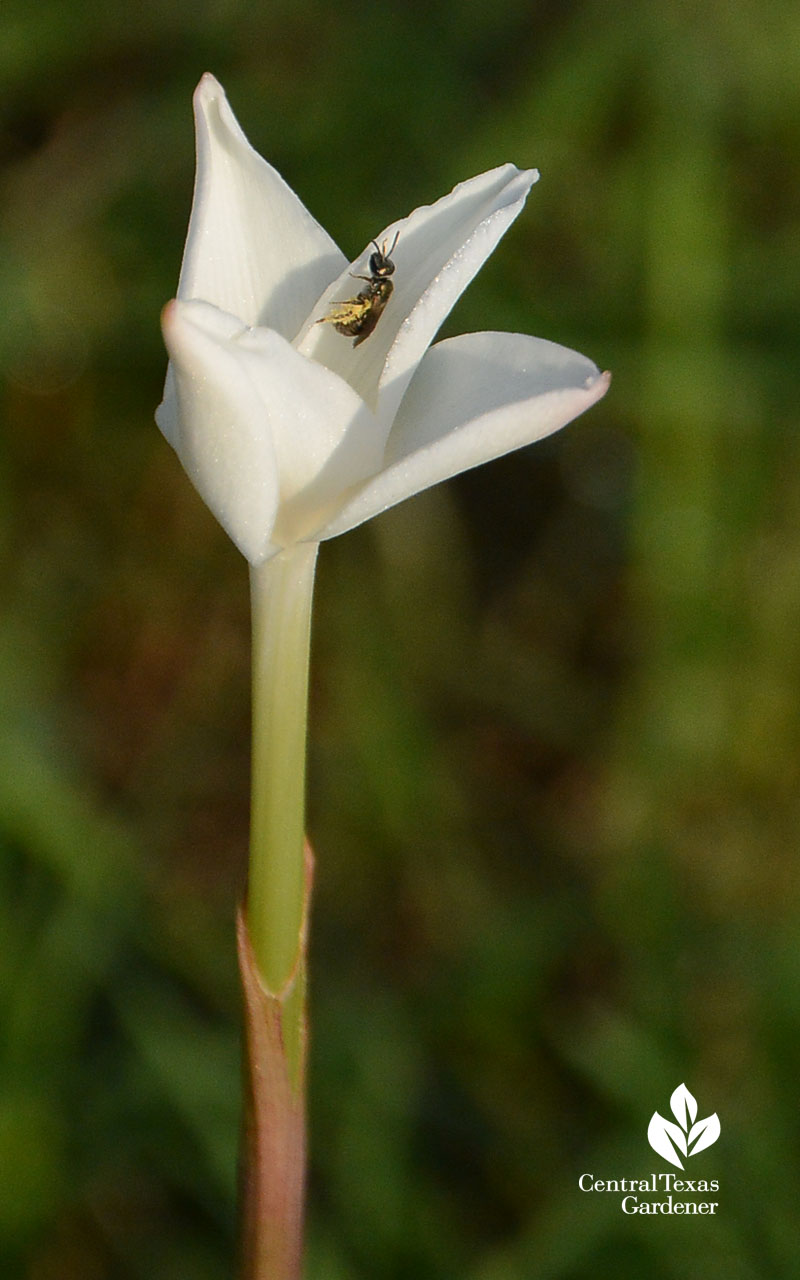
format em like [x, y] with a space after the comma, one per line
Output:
[686, 1137]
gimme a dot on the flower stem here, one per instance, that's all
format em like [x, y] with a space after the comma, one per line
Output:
[273, 1164]
[272, 931]
[281, 594]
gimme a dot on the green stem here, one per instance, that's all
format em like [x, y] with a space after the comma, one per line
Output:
[272, 938]
[281, 593]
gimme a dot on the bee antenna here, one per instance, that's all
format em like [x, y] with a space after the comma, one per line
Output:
[394, 243]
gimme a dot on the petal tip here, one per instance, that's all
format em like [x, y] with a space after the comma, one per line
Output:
[208, 89]
[519, 183]
[521, 176]
[169, 314]
[596, 386]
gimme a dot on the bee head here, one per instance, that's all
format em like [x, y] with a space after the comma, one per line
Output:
[380, 262]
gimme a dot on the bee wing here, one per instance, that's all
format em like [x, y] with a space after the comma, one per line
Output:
[344, 312]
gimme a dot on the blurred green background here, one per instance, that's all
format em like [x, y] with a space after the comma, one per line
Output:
[554, 783]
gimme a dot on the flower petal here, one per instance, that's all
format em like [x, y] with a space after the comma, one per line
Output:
[473, 398]
[213, 417]
[258, 427]
[439, 249]
[252, 249]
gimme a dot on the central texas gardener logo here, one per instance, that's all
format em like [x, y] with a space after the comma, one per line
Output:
[688, 1136]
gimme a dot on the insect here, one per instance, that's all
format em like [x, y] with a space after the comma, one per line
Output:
[357, 317]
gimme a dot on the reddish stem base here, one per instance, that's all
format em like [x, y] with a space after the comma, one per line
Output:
[274, 1141]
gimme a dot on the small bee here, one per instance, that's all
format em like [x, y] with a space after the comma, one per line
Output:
[357, 317]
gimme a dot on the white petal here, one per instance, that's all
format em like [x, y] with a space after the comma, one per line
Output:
[167, 412]
[473, 398]
[252, 249]
[439, 249]
[269, 438]
[217, 426]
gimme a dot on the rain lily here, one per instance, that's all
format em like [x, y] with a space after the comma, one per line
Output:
[290, 432]
[294, 431]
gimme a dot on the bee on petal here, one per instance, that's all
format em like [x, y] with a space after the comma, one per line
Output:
[357, 317]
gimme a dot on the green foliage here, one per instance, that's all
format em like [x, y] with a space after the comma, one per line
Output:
[554, 780]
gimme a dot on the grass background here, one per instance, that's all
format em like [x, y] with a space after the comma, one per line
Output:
[554, 780]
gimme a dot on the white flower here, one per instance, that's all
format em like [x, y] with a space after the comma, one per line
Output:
[289, 431]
